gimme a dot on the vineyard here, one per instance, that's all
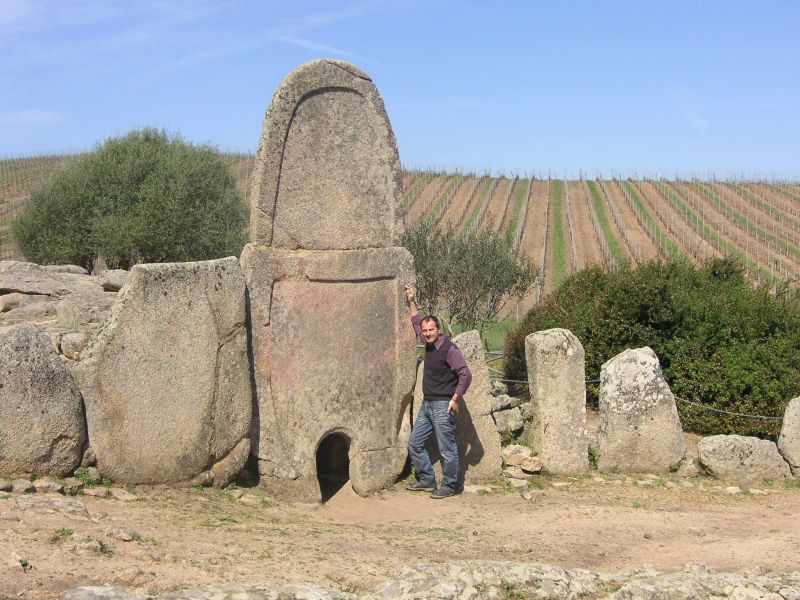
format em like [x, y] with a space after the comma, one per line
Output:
[562, 225]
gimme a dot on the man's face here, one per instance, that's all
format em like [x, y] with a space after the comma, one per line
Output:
[430, 332]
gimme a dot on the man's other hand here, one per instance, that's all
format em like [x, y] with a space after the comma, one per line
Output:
[453, 406]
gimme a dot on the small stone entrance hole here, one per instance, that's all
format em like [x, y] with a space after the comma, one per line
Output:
[333, 464]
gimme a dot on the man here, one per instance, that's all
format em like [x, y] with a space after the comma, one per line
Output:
[445, 380]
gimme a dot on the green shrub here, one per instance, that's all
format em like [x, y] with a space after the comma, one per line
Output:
[143, 197]
[721, 342]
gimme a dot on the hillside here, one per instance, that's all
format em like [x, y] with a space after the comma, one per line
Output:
[562, 225]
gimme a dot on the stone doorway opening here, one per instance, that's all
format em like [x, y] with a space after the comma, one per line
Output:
[333, 464]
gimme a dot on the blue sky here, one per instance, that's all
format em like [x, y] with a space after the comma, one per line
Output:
[653, 87]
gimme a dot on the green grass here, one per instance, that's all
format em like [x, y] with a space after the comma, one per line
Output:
[650, 223]
[605, 225]
[558, 248]
[765, 206]
[516, 209]
[415, 190]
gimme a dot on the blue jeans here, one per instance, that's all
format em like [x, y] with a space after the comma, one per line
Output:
[433, 417]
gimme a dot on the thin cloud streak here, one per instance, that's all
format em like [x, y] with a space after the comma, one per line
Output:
[29, 116]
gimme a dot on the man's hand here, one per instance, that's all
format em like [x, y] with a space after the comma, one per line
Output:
[453, 405]
[411, 294]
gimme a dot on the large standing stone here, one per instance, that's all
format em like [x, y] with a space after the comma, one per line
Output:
[166, 382]
[327, 172]
[333, 351]
[479, 450]
[740, 459]
[639, 426]
[42, 428]
[556, 377]
[789, 439]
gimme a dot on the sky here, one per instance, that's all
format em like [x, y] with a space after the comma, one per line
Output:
[653, 88]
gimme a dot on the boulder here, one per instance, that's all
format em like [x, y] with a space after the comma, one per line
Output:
[789, 439]
[72, 344]
[639, 427]
[556, 376]
[504, 402]
[508, 421]
[74, 269]
[166, 381]
[112, 280]
[479, 449]
[740, 459]
[42, 428]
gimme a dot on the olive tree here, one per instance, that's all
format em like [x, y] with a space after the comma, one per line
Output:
[143, 197]
[467, 277]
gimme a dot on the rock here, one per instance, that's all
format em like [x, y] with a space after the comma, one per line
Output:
[689, 466]
[6, 485]
[327, 142]
[498, 388]
[515, 454]
[74, 269]
[89, 459]
[789, 439]
[733, 490]
[84, 308]
[45, 485]
[27, 278]
[515, 473]
[73, 486]
[166, 382]
[93, 475]
[72, 344]
[639, 427]
[517, 483]
[41, 412]
[38, 312]
[122, 495]
[97, 492]
[251, 591]
[556, 376]
[112, 280]
[122, 534]
[739, 459]
[526, 410]
[532, 465]
[22, 486]
[327, 153]
[508, 421]
[14, 300]
[504, 402]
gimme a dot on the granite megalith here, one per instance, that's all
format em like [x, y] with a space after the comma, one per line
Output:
[741, 459]
[639, 427]
[332, 349]
[479, 451]
[42, 427]
[166, 382]
[556, 378]
[789, 438]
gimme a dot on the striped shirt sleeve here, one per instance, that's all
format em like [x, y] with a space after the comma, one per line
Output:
[416, 320]
[457, 362]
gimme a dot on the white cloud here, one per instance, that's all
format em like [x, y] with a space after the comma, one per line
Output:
[29, 116]
[692, 111]
[309, 45]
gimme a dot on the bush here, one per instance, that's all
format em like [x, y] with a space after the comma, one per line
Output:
[721, 342]
[466, 278]
[144, 197]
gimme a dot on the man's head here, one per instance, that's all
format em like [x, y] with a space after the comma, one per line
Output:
[431, 329]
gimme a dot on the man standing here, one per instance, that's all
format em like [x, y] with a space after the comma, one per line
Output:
[445, 379]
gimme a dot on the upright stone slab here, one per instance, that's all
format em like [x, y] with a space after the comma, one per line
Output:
[789, 439]
[479, 451]
[166, 383]
[639, 428]
[556, 377]
[332, 348]
[42, 428]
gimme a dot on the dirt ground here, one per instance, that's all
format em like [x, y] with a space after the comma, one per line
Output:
[178, 538]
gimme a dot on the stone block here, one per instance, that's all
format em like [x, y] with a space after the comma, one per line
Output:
[166, 382]
[556, 377]
[740, 459]
[789, 439]
[639, 429]
[42, 426]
